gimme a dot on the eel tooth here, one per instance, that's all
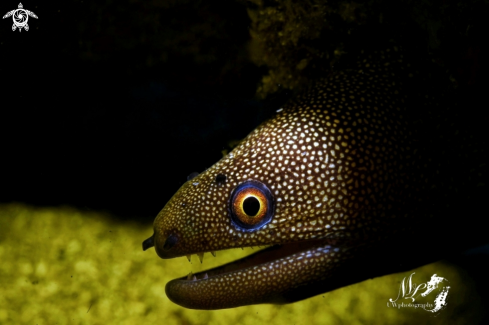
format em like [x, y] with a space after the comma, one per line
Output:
[201, 256]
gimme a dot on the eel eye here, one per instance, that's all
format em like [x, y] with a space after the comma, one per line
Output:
[251, 205]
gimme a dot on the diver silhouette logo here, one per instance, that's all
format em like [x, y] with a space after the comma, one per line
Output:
[409, 290]
[20, 17]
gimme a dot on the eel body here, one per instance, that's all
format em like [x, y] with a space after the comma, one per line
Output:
[342, 183]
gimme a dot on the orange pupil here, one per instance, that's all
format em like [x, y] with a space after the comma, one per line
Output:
[250, 206]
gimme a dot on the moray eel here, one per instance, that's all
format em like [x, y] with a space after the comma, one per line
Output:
[341, 185]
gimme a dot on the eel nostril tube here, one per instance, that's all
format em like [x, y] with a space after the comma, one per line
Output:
[148, 243]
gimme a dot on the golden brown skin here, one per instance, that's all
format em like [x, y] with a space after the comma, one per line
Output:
[347, 174]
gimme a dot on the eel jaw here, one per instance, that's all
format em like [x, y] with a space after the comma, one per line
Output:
[293, 272]
[279, 274]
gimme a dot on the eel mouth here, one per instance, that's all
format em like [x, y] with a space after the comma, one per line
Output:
[261, 257]
[292, 272]
[267, 276]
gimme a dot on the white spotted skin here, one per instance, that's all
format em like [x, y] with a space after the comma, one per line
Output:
[357, 162]
[334, 160]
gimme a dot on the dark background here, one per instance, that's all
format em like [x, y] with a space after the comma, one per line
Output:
[110, 106]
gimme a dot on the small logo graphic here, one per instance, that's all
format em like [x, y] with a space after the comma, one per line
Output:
[410, 291]
[20, 17]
